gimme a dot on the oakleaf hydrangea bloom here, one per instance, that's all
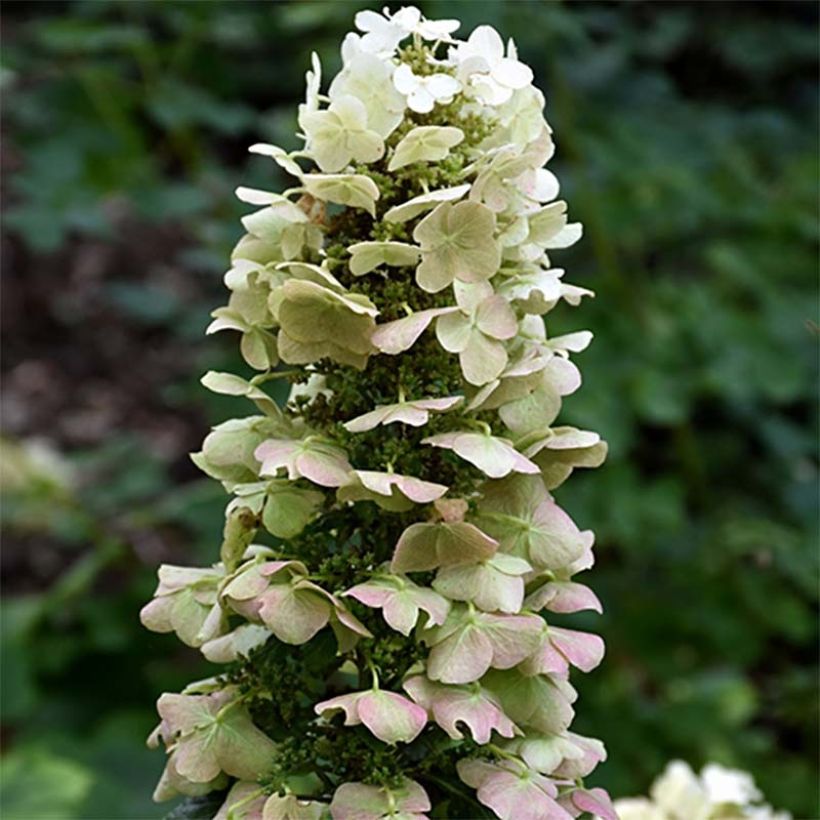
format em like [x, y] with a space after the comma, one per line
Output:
[382, 604]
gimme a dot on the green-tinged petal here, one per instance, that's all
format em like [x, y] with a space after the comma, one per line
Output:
[425, 143]
[367, 256]
[355, 190]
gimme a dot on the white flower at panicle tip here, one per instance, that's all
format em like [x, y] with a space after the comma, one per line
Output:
[383, 32]
[483, 67]
[425, 92]
[370, 79]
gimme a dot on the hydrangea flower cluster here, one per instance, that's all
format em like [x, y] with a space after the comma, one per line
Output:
[680, 794]
[392, 552]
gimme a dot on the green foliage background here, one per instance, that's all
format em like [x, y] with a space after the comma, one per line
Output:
[687, 144]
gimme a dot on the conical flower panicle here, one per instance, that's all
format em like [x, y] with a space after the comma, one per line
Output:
[392, 553]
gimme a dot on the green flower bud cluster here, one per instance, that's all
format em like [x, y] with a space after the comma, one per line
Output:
[392, 551]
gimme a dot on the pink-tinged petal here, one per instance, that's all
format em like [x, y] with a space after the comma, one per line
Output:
[192, 761]
[401, 600]
[396, 337]
[470, 295]
[293, 615]
[350, 621]
[317, 461]
[422, 690]
[439, 405]
[452, 705]
[513, 637]
[494, 317]
[569, 438]
[539, 702]
[401, 612]
[481, 716]
[358, 801]
[271, 568]
[451, 510]
[247, 584]
[425, 546]
[589, 752]
[586, 559]
[416, 550]
[412, 797]
[514, 798]
[485, 584]
[407, 414]
[495, 457]
[326, 469]
[512, 791]
[563, 375]
[251, 798]
[389, 490]
[370, 594]
[275, 454]
[422, 492]
[349, 704]
[582, 649]
[555, 541]
[436, 607]
[483, 359]
[368, 421]
[462, 657]
[546, 660]
[391, 717]
[594, 801]
[414, 413]
[564, 597]
[156, 614]
[173, 578]
[475, 772]
[347, 629]
[182, 714]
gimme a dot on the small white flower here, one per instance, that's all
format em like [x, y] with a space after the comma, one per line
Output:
[369, 79]
[482, 64]
[728, 785]
[383, 32]
[424, 92]
[437, 29]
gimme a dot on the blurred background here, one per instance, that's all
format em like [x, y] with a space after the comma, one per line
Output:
[687, 145]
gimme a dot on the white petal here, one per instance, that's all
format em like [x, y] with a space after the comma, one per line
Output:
[442, 86]
[407, 18]
[485, 40]
[512, 74]
[254, 196]
[404, 80]
[489, 91]
[542, 185]
[437, 29]
[369, 21]
[421, 100]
